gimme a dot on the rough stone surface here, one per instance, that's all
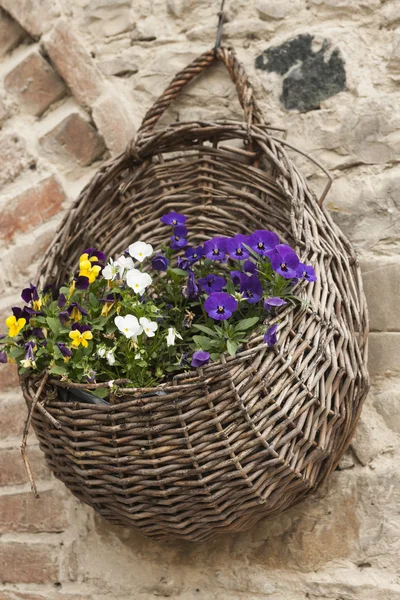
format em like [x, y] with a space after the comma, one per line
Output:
[34, 84]
[115, 57]
[74, 138]
[31, 208]
[10, 33]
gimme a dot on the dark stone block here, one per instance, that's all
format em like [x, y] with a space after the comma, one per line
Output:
[311, 77]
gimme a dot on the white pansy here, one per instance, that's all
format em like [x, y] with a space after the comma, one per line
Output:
[149, 327]
[138, 356]
[129, 326]
[111, 270]
[140, 250]
[110, 357]
[172, 334]
[125, 263]
[28, 363]
[101, 351]
[138, 281]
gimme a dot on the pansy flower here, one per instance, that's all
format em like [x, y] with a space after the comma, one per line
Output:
[65, 351]
[263, 240]
[109, 302]
[171, 335]
[270, 335]
[90, 376]
[95, 256]
[29, 359]
[61, 301]
[15, 325]
[173, 218]
[215, 249]
[140, 250]
[284, 261]
[30, 294]
[111, 270]
[183, 263]
[220, 306]
[87, 268]
[306, 272]
[138, 281]
[194, 254]
[191, 291]
[149, 327]
[76, 311]
[24, 313]
[160, 263]
[235, 247]
[129, 326]
[63, 315]
[251, 288]
[3, 356]
[249, 267]
[212, 283]
[80, 335]
[273, 302]
[200, 358]
[178, 239]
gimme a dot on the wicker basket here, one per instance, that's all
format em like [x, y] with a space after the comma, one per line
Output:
[219, 448]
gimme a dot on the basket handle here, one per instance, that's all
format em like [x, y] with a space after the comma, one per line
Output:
[228, 57]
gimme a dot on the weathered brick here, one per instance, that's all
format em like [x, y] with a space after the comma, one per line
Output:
[8, 373]
[74, 138]
[31, 208]
[3, 112]
[12, 468]
[35, 16]
[14, 157]
[119, 130]
[28, 563]
[10, 33]
[384, 352]
[27, 514]
[35, 84]
[383, 274]
[13, 413]
[74, 63]
[14, 595]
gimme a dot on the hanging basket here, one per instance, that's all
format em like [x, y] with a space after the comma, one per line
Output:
[219, 448]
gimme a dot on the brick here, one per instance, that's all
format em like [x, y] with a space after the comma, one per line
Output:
[67, 53]
[14, 157]
[10, 33]
[3, 112]
[31, 208]
[12, 468]
[23, 513]
[384, 352]
[35, 84]
[8, 373]
[35, 16]
[74, 138]
[119, 130]
[13, 595]
[28, 563]
[13, 413]
[378, 275]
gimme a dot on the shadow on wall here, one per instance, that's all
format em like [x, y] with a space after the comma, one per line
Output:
[309, 77]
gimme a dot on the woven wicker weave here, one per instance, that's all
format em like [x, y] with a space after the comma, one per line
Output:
[216, 449]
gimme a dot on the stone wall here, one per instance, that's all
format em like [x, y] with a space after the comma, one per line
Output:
[76, 77]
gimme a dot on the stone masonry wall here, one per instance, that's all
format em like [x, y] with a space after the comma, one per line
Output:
[76, 77]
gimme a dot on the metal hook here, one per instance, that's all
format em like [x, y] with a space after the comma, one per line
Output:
[221, 20]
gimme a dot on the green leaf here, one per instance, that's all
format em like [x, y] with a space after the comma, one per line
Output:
[93, 300]
[246, 323]
[100, 392]
[231, 347]
[202, 341]
[180, 272]
[205, 329]
[54, 324]
[215, 356]
[58, 370]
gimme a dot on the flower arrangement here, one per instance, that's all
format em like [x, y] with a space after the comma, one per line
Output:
[146, 315]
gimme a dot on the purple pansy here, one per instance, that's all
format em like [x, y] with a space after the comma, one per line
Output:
[111, 298]
[263, 240]
[160, 263]
[65, 351]
[178, 239]
[306, 272]
[212, 283]
[90, 376]
[236, 276]
[76, 311]
[81, 328]
[273, 302]
[235, 247]
[220, 306]
[30, 294]
[62, 301]
[251, 288]
[24, 313]
[63, 315]
[183, 263]
[173, 218]
[29, 350]
[249, 267]
[81, 282]
[270, 335]
[191, 290]
[38, 333]
[194, 254]
[215, 249]
[3, 357]
[200, 358]
[284, 261]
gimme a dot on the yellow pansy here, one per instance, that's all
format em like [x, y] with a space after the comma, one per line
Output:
[79, 338]
[86, 269]
[14, 325]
